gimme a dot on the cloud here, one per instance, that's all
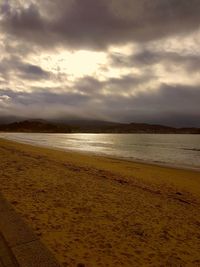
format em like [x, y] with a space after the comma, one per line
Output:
[147, 57]
[32, 72]
[145, 67]
[98, 24]
[14, 66]
[88, 85]
[42, 96]
[5, 8]
[172, 104]
[124, 84]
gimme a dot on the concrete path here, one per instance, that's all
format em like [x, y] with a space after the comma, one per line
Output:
[19, 246]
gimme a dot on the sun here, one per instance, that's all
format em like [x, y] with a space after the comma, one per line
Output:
[75, 64]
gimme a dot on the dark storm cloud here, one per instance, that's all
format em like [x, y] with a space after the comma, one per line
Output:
[88, 85]
[14, 66]
[5, 8]
[123, 84]
[20, 49]
[26, 31]
[176, 105]
[97, 24]
[171, 97]
[41, 103]
[44, 97]
[126, 82]
[32, 72]
[147, 58]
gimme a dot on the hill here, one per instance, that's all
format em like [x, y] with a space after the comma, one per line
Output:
[35, 126]
[92, 127]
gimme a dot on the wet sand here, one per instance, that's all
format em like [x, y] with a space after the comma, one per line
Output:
[96, 211]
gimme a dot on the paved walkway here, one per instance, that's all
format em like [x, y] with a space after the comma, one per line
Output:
[19, 246]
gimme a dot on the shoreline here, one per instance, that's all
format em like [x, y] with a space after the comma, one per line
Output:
[104, 155]
[101, 211]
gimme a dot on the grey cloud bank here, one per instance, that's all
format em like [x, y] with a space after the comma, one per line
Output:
[175, 105]
[141, 84]
[97, 24]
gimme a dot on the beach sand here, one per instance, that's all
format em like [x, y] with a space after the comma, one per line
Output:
[96, 211]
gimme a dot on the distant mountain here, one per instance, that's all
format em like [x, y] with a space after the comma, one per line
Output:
[93, 126]
[154, 128]
[10, 119]
[35, 126]
[114, 127]
[92, 123]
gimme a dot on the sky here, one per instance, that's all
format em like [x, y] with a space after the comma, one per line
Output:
[117, 60]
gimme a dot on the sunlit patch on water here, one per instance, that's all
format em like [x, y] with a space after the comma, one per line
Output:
[172, 149]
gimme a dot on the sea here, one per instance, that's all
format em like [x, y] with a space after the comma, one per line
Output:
[178, 150]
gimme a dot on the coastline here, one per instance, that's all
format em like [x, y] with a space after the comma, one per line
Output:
[93, 153]
[102, 211]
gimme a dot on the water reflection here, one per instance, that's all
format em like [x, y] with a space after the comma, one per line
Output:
[181, 150]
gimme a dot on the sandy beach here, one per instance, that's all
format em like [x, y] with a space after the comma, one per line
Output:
[96, 211]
